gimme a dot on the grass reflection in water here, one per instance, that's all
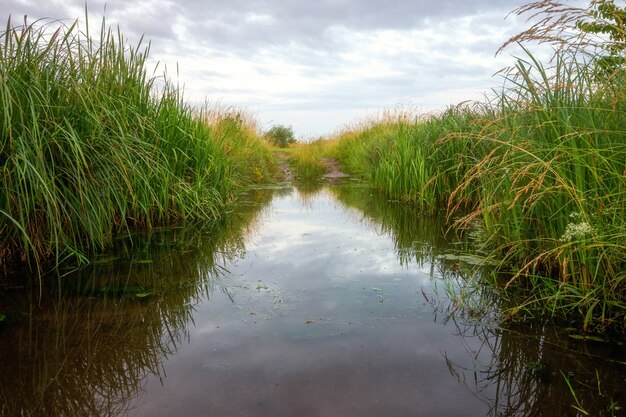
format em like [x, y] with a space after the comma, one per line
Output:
[86, 346]
[102, 341]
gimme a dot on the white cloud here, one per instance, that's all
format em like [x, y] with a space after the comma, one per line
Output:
[314, 65]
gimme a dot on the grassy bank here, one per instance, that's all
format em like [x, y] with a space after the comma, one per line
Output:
[91, 146]
[537, 174]
[305, 160]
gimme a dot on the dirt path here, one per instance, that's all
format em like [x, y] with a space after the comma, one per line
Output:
[283, 166]
[335, 169]
[285, 169]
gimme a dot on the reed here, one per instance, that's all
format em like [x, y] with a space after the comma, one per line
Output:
[537, 173]
[90, 341]
[306, 161]
[552, 191]
[91, 146]
[408, 158]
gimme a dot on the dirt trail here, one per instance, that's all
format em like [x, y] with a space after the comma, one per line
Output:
[334, 167]
[285, 169]
[283, 166]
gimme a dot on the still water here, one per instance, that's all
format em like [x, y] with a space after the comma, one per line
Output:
[323, 300]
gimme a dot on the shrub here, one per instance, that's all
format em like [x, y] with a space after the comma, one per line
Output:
[280, 135]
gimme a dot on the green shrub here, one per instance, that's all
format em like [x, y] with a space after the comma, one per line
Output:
[281, 136]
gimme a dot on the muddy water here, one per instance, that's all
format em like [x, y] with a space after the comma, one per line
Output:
[316, 301]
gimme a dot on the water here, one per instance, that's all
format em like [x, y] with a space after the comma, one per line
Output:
[319, 301]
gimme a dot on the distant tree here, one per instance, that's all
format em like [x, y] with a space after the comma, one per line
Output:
[280, 135]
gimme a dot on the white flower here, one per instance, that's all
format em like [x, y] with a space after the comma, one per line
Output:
[575, 231]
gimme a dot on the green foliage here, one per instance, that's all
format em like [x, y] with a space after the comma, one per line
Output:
[280, 135]
[90, 146]
[537, 175]
[306, 160]
[609, 20]
[103, 328]
[249, 157]
[416, 160]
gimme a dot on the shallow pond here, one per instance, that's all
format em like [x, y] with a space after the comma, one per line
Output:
[323, 300]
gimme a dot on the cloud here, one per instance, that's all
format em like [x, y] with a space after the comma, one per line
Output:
[325, 59]
[248, 25]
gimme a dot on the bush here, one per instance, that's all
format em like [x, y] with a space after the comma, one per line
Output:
[280, 135]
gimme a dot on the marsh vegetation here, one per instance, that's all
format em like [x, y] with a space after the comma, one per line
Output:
[312, 290]
[144, 225]
[536, 174]
[93, 147]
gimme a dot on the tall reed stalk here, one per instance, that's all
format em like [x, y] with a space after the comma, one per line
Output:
[91, 146]
[553, 190]
[538, 174]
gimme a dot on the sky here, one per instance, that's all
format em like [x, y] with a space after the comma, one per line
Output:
[316, 65]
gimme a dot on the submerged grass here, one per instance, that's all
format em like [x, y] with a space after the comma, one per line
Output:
[91, 146]
[538, 174]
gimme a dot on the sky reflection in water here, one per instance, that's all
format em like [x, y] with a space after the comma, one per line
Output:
[324, 320]
[306, 302]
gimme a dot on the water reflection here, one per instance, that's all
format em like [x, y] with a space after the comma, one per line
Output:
[417, 238]
[310, 301]
[87, 347]
[516, 371]
[539, 372]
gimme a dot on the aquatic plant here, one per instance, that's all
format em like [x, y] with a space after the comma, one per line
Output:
[89, 342]
[550, 143]
[92, 146]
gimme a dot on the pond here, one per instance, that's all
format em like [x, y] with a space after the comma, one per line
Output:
[318, 300]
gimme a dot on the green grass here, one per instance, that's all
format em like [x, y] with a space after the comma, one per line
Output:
[306, 162]
[91, 146]
[538, 174]
[115, 321]
[405, 156]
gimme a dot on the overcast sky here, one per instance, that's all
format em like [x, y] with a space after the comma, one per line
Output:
[314, 64]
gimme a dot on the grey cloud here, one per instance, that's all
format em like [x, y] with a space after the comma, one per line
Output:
[152, 19]
[18, 9]
[380, 91]
[228, 24]
[313, 38]
[307, 21]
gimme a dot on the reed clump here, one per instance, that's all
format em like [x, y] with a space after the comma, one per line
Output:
[537, 173]
[405, 156]
[91, 146]
[306, 160]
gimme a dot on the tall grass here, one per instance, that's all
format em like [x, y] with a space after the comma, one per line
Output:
[90, 341]
[552, 190]
[236, 133]
[404, 155]
[306, 160]
[91, 146]
[538, 173]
